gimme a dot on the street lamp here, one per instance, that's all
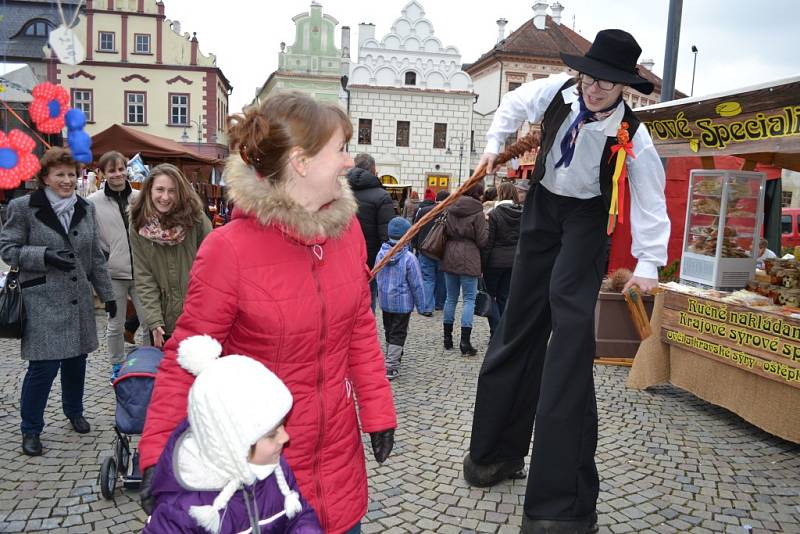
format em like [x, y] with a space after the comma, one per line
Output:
[185, 135]
[694, 66]
[461, 144]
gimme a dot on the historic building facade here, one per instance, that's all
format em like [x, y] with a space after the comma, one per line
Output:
[141, 71]
[411, 104]
[312, 64]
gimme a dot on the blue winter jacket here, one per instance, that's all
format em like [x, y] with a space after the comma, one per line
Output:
[400, 282]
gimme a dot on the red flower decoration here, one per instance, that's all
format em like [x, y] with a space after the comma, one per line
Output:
[17, 163]
[50, 104]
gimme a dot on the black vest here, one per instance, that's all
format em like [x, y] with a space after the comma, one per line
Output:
[554, 116]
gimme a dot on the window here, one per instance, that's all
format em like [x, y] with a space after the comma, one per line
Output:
[141, 44]
[786, 224]
[179, 109]
[411, 78]
[439, 135]
[786, 199]
[135, 106]
[38, 28]
[82, 100]
[513, 85]
[403, 131]
[364, 131]
[106, 41]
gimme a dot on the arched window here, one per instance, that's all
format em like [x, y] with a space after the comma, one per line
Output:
[411, 78]
[38, 28]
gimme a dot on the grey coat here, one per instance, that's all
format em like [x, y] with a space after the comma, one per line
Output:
[59, 305]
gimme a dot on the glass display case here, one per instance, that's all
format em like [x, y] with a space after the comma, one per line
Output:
[723, 228]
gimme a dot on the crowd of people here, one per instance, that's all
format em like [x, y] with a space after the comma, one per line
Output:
[284, 290]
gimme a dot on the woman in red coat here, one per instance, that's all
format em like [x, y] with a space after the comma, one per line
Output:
[286, 282]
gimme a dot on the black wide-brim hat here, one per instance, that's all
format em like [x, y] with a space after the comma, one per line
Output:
[613, 56]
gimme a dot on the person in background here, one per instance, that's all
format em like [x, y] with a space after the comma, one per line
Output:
[467, 233]
[375, 209]
[411, 206]
[399, 290]
[497, 258]
[166, 228]
[222, 469]
[489, 199]
[522, 186]
[52, 237]
[427, 265]
[111, 208]
[285, 282]
[764, 253]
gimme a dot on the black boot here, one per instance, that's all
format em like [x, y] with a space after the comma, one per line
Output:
[448, 335]
[31, 445]
[466, 347]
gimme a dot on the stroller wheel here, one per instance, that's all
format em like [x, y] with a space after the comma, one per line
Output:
[122, 454]
[108, 477]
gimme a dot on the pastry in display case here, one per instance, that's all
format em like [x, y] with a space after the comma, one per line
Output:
[723, 228]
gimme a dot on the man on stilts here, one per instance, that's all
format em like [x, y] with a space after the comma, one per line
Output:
[539, 363]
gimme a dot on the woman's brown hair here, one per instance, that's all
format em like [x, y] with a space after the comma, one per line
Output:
[507, 191]
[53, 158]
[264, 135]
[188, 207]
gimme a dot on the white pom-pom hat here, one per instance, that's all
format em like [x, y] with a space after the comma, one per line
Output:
[233, 402]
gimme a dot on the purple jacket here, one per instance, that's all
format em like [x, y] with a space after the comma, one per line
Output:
[171, 513]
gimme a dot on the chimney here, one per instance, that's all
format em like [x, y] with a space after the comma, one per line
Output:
[539, 15]
[176, 26]
[366, 30]
[648, 64]
[346, 42]
[501, 29]
[555, 11]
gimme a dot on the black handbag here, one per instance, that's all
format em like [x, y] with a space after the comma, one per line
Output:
[483, 300]
[434, 244]
[12, 311]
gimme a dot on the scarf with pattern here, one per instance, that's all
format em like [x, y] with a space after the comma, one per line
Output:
[163, 236]
[584, 116]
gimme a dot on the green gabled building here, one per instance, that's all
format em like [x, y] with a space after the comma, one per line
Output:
[312, 64]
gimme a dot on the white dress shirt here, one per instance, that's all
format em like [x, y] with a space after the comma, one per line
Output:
[650, 225]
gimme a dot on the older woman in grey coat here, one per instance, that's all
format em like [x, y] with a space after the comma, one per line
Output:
[52, 237]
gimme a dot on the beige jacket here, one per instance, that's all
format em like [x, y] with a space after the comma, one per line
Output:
[113, 235]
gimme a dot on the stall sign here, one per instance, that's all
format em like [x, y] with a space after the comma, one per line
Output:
[764, 343]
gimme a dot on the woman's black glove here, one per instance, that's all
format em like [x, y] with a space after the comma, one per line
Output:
[111, 308]
[382, 443]
[145, 490]
[60, 259]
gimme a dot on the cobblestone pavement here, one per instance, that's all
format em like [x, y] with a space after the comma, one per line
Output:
[668, 461]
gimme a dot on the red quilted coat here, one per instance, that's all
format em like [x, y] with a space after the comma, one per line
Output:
[290, 289]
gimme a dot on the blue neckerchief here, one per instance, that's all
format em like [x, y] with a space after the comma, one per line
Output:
[585, 115]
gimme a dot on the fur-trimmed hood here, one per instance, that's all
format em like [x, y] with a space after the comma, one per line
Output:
[270, 204]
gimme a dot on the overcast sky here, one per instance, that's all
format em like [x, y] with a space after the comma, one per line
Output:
[740, 42]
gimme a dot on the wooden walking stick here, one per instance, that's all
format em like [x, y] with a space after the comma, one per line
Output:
[525, 144]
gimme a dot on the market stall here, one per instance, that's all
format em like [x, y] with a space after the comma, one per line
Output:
[737, 349]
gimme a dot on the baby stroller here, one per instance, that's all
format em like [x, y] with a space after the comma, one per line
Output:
[132, 388]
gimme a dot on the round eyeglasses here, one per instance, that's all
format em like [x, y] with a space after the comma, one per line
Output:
[588, 81]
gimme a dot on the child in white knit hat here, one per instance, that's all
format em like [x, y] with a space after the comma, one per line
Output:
[222, 470]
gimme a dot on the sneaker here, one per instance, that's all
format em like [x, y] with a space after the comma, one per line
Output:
[391, 374]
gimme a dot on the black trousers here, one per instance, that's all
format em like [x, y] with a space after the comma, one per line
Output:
[539, 362]
[395, 327]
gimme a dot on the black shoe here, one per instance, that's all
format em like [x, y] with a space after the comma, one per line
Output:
[31, 444]
[426, 314]
[483, 476]
[583, 525]
[448, 336]
[465, 345]
[80, 424]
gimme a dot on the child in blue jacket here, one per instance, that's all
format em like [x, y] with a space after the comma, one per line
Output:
[399, 290]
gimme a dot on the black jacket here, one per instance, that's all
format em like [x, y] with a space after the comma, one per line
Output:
[424, 207]
[375, 209]
[504, 222]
